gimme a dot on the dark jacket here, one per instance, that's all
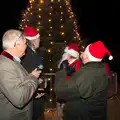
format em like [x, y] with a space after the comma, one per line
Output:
[31, 60]
[85, 93]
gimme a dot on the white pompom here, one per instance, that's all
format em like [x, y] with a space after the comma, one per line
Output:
[110, 57]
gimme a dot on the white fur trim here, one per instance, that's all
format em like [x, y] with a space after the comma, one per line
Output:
[72, 52]
[110, 57]
[33, 38]
[92, 58]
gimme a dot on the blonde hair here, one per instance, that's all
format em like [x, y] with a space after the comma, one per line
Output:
[10, 37]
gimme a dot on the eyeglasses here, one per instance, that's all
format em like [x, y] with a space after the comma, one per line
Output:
[21, 35]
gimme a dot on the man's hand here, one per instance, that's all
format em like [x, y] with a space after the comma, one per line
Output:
[39, 95]
[36, 73]
[40, 80]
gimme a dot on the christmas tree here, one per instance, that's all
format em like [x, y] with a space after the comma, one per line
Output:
[57, 25]
[56, 22]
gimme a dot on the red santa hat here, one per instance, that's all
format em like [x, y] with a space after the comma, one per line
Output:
[31, 33]
[97, 51]
[73, 50]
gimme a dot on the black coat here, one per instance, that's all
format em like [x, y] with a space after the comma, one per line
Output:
[85, 93]
[31, 60]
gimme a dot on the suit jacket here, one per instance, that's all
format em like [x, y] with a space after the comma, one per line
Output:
[31, 60]
[16, 90]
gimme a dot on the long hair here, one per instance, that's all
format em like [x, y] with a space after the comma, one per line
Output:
[64, 57]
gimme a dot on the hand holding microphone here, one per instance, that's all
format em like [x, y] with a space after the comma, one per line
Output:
[40, 67]
[36, 73]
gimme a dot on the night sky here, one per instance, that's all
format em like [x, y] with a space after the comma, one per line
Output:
[97, 20]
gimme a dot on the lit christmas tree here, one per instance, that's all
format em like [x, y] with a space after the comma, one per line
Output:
[57, 25]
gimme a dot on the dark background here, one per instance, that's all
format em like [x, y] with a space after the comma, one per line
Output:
[97, 20]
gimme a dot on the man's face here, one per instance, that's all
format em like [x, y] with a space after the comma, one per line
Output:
[69, 58]
[84, 56]
[21, 47]
[36, 43]
[81, 54]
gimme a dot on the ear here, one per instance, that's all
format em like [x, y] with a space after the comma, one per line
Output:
[25, 40]
[17, 43]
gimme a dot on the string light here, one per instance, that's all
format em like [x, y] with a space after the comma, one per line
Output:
[49, 50]
[62, 33]
[51, 89]
[71, 15]
[41, 1]
[50, 20]
[40, 9]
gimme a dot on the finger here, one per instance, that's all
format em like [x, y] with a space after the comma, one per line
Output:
[35, 69]
[40, 89]
[38, 71]
[39, 95]
[42, 94]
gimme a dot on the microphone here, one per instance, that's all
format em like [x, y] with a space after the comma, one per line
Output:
[40, 67]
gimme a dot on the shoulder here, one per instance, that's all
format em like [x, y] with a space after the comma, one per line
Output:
[6, 63]
[93, 72]
[61, 73]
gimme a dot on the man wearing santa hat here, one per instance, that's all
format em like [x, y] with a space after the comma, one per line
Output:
[70, 59]
[33, 60]
[71, 62]
[86, 91]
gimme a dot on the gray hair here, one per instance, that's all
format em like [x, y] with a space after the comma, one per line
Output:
[10, 38]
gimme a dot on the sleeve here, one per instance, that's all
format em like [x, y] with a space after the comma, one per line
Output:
[80, 85]
[64, 89]
[86, 84]
[18, 90]
[58, 75]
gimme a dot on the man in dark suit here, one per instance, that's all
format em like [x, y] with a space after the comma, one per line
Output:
[31, 61]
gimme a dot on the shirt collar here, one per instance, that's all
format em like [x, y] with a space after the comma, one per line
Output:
[17, 59]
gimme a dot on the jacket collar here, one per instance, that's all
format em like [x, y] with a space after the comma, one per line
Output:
[94, 64]
[8, 55]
